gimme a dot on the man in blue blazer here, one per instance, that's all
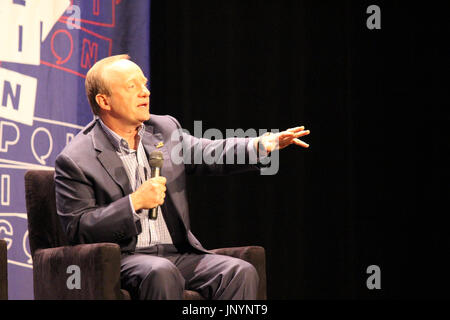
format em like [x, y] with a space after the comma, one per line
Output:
[104, 189]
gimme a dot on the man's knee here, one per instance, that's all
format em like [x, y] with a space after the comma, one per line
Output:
[242, 283]
[163, 272]
[159, 279]
[248, 273]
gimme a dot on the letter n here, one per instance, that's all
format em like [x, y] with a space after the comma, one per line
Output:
[8, 92]
[89, 53]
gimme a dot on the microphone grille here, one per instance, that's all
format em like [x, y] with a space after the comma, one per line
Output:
[156, 159]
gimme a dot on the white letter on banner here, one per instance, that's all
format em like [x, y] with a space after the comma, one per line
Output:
[17, 96]
[22, 44]
[25, 248]
[41, 159]
[23, 18]
[5, 187]
[3, 142]
[6, 232]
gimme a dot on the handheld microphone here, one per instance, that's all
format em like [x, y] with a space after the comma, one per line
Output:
[156, 162]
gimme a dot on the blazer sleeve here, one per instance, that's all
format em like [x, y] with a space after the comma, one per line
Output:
[83, 220]
[217, 157]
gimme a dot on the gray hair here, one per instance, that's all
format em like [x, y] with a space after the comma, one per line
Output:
[95, 82]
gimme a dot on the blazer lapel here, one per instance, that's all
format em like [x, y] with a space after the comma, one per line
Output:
[110, 160]
[154, 141]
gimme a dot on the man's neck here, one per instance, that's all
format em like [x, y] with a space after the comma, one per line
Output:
[129, 133]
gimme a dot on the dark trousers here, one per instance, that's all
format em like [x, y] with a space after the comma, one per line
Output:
[160, 272]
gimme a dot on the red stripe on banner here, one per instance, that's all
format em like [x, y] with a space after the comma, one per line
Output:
[62, 68]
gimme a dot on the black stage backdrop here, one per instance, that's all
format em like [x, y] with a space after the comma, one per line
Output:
[373, 187]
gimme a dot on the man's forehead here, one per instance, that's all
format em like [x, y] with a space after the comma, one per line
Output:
[136, 76]
[124, 68]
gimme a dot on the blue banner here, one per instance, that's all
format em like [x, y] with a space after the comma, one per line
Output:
[46, 49]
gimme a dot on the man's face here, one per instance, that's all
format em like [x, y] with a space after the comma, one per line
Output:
[130, 97]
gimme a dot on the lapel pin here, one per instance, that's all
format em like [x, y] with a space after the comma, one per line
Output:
[159, 145]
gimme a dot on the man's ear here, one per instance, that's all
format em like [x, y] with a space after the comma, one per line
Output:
[103, 101]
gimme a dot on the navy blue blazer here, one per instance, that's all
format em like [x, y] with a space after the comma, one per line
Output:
[92, 186]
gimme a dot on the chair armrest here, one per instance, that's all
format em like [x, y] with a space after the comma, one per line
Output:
[99, 266]
[257, 257]
[3, 271]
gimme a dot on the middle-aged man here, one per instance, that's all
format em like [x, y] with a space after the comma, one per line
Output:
[104, 193]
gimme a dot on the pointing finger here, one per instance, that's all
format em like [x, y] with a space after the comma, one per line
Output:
[302, 133]
[296, 129]
[301, 143]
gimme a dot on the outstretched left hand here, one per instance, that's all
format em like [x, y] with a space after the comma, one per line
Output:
[280, 140]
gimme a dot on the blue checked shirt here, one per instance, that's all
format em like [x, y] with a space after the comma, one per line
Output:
[136, 165]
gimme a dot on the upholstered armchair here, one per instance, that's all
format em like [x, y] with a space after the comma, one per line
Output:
[99, 263]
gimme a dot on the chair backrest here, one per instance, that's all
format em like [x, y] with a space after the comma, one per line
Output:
[3, 271]
[44, 226]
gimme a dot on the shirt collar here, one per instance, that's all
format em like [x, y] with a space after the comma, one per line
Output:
[119, 143]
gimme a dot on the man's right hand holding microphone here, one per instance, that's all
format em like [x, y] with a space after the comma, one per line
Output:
[150, 194]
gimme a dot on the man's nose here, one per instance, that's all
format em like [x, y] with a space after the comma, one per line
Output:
[145, 91]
